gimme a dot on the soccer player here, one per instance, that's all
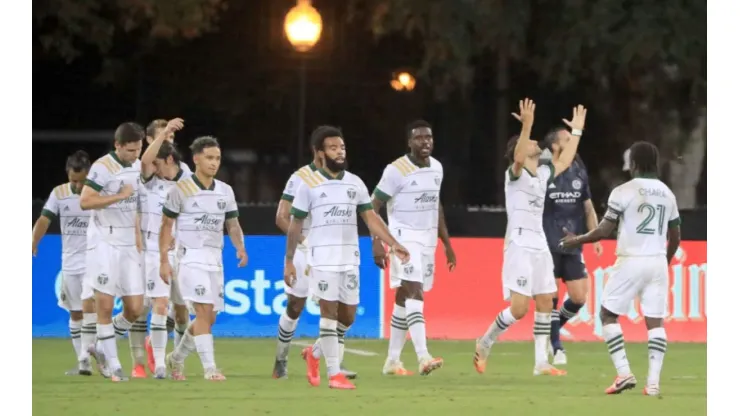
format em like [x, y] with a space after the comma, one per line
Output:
[334, 197]
[64, 204]
[160, 170]
[567, 206]
[411, 186]
[646, 210]
[298, 293]
[528, 269]
[111, 191]
[202, 206]
[153, 131]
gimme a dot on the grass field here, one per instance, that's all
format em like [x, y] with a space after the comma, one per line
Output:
[507, 388]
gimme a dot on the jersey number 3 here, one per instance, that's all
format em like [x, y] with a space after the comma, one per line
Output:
[651, 210]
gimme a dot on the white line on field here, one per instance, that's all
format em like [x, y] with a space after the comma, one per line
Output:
[362, 353]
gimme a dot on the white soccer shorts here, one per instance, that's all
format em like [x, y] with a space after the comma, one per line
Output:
[155, 286]
[527, 272]
[420, 267]
[70, 296]
[301, 286]
[632, 277]
[201, 286]
[336, 286]
[115, 270]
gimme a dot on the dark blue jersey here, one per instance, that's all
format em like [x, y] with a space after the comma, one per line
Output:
[564, 206]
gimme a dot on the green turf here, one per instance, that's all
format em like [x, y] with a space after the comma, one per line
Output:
[456, 389]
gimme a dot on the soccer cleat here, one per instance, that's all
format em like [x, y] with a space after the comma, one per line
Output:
[117, 376]
[74, 372]
[653, 390]
[548, 370]
[347, 373]
[481, 355]
[395, 368]
[84, 368]
[99, 356]
[149, 355]
[138, 371]
[160, 373]
[280, 370]
[214, 374]
[621, 383]
[312, 367]
[339, 381]
[176, 370]
[427, 365]
[559, 358]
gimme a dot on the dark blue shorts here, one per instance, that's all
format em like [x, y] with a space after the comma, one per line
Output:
[569, 266]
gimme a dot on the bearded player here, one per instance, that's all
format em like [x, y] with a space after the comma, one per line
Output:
[298, 292]
[411, 187]
[528, 270]
[334, 198]
[647, 214]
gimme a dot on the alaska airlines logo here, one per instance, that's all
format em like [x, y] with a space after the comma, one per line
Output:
[426, 198]
[208, 223]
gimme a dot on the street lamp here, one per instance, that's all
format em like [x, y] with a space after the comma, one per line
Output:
[303, 29]
[403, 81]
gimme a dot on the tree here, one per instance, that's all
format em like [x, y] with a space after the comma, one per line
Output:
[66, 28]
[643, 62]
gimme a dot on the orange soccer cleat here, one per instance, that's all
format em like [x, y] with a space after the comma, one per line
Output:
[340, 381]
[429, 365]
[548, 370]
[149, 354]
[138, 371]
[312, 367]
[621, 383]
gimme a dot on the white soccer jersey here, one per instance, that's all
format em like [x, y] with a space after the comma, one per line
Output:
[525, 203]
[201, 213]
[185, 168]
[156, 190]
[333, 204]
[645, 208]
[64, 203]
[115, 223]
[412, 194]
[296, 179]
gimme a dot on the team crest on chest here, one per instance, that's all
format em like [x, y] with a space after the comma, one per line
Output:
[577, 184]
[221, 204]
[351, 193]
[437, 180]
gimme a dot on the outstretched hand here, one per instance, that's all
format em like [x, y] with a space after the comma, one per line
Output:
[578, 121]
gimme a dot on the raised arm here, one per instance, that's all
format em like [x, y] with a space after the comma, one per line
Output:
[147, 159]
[562, 160]
[523, 143]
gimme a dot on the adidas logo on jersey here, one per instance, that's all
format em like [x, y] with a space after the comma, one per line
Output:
[66, 209]
[195, 205]
[552, 186]
[413, 183]
[323, 195]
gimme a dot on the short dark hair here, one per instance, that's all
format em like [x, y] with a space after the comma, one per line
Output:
[129, 132]
[322, 133]
[151, 129]
[415, 125]
[510, 147]
[645, 157]
[202, 143]
[168, 149]
[552, 136]
[78, 161]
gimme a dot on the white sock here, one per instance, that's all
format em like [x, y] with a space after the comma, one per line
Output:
[503, 321]
[286, 329]
[316, 348]
[121, 325]
[107, 338]
[341, 331]
[88, 334]
[329, 345]
[657, 344]
[137, 340]
[541, 332]
[615, 345]
[417, 327]
[184, 347]
[204, 346]
[180, 331]
[75, 332]
[171, 319]
[158, 338]
[398, 332]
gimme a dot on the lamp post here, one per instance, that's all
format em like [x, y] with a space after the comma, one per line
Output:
[303, 29]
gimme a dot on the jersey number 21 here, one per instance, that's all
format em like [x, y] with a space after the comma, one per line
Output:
[651, 210]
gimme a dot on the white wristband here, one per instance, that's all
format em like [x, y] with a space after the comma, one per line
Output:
[576, 132]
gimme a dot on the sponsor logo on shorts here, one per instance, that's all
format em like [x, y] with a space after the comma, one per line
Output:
[408, 269]
[103, 279]
[521, 281]
[323, 285]
[200, 290]
[150, 284]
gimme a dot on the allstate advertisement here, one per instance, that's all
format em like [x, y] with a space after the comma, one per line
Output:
[255, 295]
